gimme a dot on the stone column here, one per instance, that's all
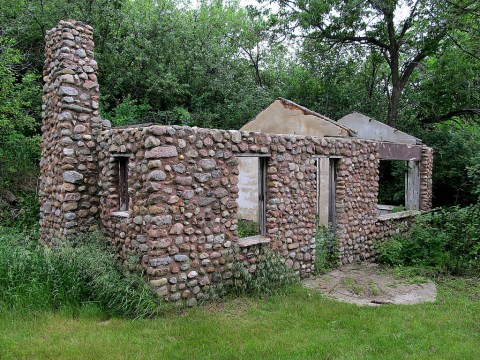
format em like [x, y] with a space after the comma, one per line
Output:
[426, 167]
[71, 124]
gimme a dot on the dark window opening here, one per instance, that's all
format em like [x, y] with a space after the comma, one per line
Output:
[391, 186]
[123, 183]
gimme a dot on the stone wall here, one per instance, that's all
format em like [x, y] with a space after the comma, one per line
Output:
[68, 167]
[181, 225]
[426, 168]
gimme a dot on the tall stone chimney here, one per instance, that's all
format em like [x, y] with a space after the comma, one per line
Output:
[68, 167]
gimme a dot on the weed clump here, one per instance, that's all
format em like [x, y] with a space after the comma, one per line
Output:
[326, 250]
[271, 276]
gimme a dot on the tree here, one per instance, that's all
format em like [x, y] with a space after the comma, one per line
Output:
[404, 32]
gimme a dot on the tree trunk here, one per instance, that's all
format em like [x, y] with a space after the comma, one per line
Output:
[393, 104]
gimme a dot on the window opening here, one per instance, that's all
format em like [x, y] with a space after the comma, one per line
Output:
[326, 190]
[252, 195]
[391, 186]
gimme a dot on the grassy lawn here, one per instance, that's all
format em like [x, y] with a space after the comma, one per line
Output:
[300, 325]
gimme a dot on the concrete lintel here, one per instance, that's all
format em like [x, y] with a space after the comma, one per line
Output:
[391, 151]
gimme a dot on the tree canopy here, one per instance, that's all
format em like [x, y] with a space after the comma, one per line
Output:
[213, 63]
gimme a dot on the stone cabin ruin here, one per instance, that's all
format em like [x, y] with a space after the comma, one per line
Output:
[167, 197]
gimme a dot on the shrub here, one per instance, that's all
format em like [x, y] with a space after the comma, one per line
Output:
[326, 250]
[446, 240]
[82, 271]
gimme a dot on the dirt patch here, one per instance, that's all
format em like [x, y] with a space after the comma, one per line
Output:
[369, 284]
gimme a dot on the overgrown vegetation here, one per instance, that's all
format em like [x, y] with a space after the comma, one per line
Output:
[247, 228]
[268, 276]
[326, 250]
[445, 241]
[79, 273]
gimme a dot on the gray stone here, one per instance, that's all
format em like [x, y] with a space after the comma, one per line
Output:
[141, 238]
[77, 108]
[157, 175]
[187, 194]
[152, 142]
[81, 53]
[202, 177]
[181, 258]
[206, 201]
[192, 274]
[162, 291]
[161, 152]
[65, 116]
[69, 216]
[67, 90]
[162, 243]
[72, 177]
[179, 168]
[160, 261]
[184, 180]
[207, 164]
[162, 219]
[220, 192]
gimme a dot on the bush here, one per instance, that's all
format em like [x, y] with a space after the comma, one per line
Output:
[445, 240]
[82, 271]
[270, 277]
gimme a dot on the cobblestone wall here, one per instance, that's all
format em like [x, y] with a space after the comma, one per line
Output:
[426, 168]
[181, 225]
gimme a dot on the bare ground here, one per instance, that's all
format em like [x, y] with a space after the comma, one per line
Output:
[368, 284]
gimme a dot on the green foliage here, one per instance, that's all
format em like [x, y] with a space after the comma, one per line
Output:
[455, 145]
[247, 228]
[326, 250]
[80, 272]
[19, 146]
[270, 276]
[129, 112]
[445, 241]
[22, 216]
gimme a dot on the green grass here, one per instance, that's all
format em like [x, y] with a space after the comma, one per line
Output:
[299, 325]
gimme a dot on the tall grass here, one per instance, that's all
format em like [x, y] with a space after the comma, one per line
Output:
[80, 272]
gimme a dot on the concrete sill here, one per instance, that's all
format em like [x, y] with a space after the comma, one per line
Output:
[121, 214]
[253, 240]
[399, 215]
